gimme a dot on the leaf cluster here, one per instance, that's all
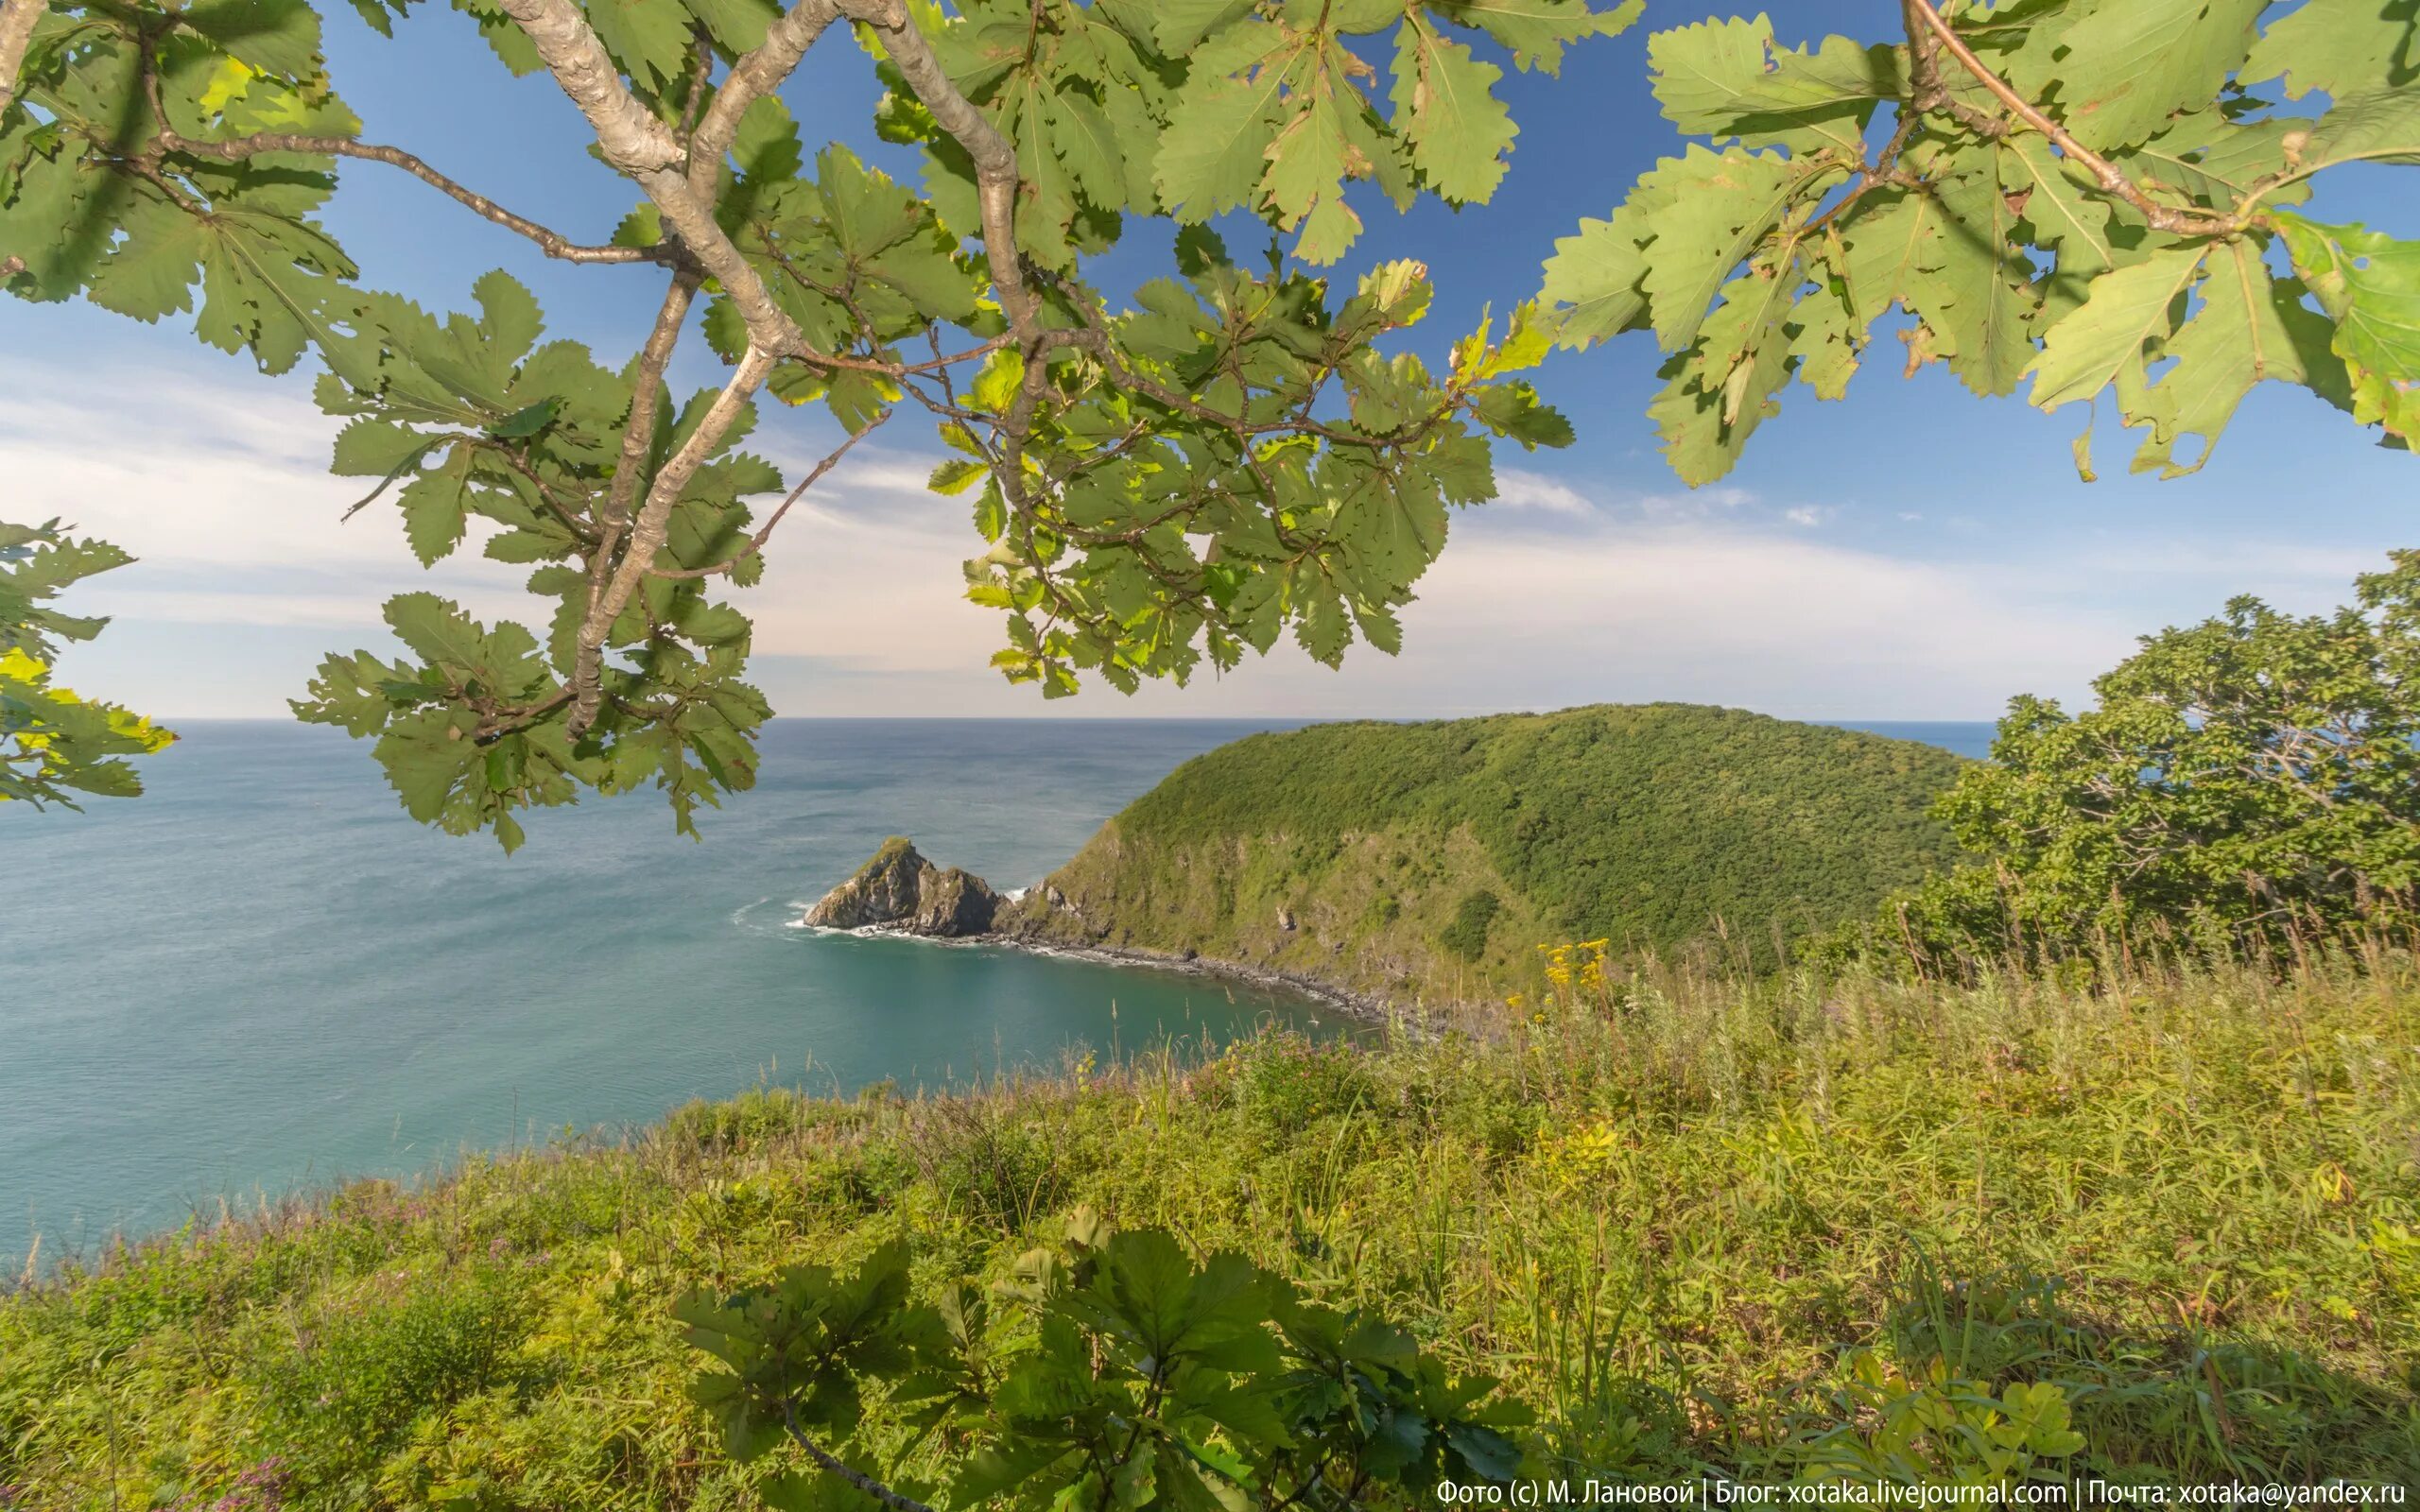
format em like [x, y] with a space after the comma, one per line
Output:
[53, 742]
[1111, 1370]
[1233, 456]
[2091, 193]
[2256, 776]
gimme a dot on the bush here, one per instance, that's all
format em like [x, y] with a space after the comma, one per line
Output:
[1466, 936]
[1286, 1084]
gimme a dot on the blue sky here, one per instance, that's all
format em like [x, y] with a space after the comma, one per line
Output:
[1911, 553]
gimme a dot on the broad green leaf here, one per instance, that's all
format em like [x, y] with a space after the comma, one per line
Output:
[1727, 79]
[1974, 289]
[1708, 213]
[2247, 331]
[435, 507]
[1592, 281]
[1536, 32]
[2123, 68]
[2128, 310]
[1216, 151]
[1446, 109]
[2340, 48]
[2369, 284]
[275, 36]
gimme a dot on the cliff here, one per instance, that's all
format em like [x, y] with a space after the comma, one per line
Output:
[1430, 862]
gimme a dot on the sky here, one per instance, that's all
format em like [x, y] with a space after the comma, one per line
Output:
[1911, 553]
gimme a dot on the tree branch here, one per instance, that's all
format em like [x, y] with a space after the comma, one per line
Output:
[756, 542]
[758, 74]
[648, 533]
[645, 150]
[17, 21]
[638, 441]
[2110, 179]
[995, 159]
[553, 243]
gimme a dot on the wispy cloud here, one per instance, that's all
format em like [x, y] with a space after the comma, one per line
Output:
[1520, 490]
[1569, 591]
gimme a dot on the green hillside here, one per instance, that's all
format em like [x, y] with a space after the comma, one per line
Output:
[1435, 858]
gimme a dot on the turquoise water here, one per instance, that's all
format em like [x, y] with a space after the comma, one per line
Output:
[262, 975]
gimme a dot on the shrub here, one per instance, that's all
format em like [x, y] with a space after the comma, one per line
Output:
[1466, 936]
[1286, 1083]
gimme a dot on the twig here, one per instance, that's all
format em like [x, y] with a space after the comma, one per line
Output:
[756, 542]
[552, 243]
[2163, 217]
[858, 1478]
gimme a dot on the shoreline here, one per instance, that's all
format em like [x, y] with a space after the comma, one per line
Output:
[1377, 1011]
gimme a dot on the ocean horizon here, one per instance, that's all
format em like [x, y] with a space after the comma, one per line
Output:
[262, 977]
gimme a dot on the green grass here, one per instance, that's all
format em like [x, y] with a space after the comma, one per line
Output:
[1637, 824]
[1693, 1223]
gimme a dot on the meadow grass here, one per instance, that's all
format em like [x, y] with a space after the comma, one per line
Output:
[1696, 1223]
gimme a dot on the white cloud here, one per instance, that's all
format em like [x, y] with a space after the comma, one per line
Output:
[1568, 595]
[1520, 490]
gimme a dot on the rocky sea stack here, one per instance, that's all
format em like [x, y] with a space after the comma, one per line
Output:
[899, 889]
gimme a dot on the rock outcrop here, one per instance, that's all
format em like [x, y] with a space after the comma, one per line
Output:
[899, 889]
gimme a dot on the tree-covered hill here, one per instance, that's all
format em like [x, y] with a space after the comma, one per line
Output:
[1433, 858]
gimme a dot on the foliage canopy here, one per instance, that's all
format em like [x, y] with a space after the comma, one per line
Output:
[2096, 193]
[2257, 773]
[1229, 457]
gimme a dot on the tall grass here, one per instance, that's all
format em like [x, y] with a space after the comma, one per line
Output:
[1694, 1221]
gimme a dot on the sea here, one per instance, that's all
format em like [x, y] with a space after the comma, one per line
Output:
[262, 977]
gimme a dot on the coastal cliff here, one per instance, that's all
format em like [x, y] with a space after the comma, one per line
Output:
[1427, 863]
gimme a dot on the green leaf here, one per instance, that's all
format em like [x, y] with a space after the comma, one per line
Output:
[275, 36]
[2369, 284]
[1445, 107]
[649, 38]
[1537, 31]
[2384, 127]
[1592, 281]
[1973, 288]
[1707, 213]
[2128, 310]
[1178, 26]
[2247, 331]
[152, 272]
[2123, 68]
[2340, 48]
[527, 422]
[508, 318]
[738, 25]
[435, 506]
[1727, 79]
[1216, 151]
[379, 448]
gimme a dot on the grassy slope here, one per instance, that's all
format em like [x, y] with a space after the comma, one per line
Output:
[1641, 824]
[1660, 1214]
